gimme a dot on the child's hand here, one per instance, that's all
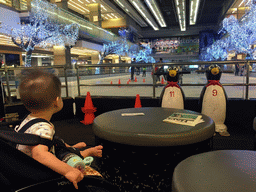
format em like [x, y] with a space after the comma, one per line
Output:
[96, 151]
[74, 177]
[93, 151]
[79, 145]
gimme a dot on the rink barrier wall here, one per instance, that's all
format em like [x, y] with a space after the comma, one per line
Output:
[66, 113]
[239, 116]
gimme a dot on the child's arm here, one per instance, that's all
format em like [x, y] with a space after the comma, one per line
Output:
[93, 151]
[78, 145]
[42, 155]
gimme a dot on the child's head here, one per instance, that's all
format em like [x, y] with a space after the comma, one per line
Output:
[39, 90]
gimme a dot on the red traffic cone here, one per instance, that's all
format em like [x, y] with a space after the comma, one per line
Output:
[128, 82]
[135, 79]
[137, 102]
[144, 80]
[88, 110]
[111, 82]
[162, 82]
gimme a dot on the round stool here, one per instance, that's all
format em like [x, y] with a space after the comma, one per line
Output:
[224, 170]
[141, 152]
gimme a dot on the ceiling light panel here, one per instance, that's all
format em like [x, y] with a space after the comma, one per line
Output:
[181, 12]
[131, 12]
[194, 5]
[78, 6]
[144, 13]
[154, 8]
[81, 6]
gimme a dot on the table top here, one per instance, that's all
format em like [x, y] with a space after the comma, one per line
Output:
[223, 170]
[149, 129]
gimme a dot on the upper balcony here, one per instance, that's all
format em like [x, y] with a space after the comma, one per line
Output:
[87, 30]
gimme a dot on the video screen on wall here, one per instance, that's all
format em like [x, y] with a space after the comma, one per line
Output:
[12, 59]
[174, 45]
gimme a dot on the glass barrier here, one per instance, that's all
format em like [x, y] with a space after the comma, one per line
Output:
[115, 79]
[115, 83]
[10, 77]
[65, 17]
[87, 28]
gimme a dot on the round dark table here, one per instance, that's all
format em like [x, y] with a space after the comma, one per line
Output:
[141, 152]
[224, 170]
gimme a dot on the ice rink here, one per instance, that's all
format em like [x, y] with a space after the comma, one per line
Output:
[146, 90]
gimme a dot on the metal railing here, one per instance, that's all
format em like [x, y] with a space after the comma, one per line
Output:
[120, 69]
[154, 84]
[12, 74]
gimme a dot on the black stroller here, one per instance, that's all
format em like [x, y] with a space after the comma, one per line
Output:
[21, 173]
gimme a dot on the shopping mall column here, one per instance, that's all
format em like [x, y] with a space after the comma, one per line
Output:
[62, 55]
[62, 4]
[95, 13]
[2, 114]
[95, 59]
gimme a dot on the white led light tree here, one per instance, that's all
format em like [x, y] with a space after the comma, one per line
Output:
[143, 56]
[42, 30]
[121, 47]
[239, 37]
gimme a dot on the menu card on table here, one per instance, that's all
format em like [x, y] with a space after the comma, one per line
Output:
[184, 119]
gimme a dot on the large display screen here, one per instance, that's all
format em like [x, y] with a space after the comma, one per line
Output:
[174, 45]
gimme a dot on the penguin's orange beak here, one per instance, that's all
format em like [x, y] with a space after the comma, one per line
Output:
[215, 71]
[172, 73]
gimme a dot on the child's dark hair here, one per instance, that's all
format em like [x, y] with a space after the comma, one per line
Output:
[38, 89]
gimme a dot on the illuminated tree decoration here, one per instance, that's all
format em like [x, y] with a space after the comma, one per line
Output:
[119, 47]
[240, 36]
[143, 56]
[122, 47]
[42, 30]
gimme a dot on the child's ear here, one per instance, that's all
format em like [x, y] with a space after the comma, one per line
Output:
[57, 101]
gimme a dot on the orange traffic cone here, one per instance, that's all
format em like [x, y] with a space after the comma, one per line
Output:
[119, 82]
[162, 82]
[111, 82]
[135, 79]
[88, 110]
[137, 102]
[128, 82]
[144, 80]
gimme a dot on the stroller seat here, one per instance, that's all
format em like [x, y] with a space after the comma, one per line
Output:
[21, 173]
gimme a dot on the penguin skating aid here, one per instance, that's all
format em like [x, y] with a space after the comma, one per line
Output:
[172, 94]
[213, 99]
